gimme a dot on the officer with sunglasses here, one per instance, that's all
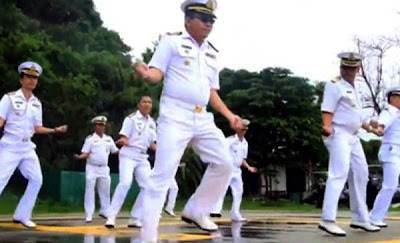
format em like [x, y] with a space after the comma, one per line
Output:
[188, 64]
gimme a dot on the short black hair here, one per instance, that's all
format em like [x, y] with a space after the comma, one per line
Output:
[145, 95]
[22, 75]
[348, 68]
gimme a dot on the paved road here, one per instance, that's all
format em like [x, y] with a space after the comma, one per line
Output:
[261, 227]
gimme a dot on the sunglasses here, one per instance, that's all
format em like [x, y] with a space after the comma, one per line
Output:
[205, 18]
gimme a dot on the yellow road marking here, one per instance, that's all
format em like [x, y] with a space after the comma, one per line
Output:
[100, 230]
[185, 237]
[385, 241]
[123, 231]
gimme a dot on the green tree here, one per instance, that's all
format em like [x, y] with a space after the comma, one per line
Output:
[285, 115]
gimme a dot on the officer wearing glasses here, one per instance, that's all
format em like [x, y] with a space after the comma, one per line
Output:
[188, 65]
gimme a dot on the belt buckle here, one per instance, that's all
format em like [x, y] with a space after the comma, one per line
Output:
[25, 139]
[198, 109]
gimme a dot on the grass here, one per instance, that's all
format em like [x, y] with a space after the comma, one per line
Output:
[261, 204]
[270, 205]
[9, 200]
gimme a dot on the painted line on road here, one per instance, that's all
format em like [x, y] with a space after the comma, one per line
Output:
[100, 230]
[385, 241]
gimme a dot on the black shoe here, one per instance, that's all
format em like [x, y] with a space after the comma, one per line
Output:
[215, 215]
[102, 216]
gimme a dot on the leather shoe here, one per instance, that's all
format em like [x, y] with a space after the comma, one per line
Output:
[88, 219]
[239, 219]
[27, 223]
[169, 212]
[203, 222]
[379, 224]
[215, 215]
[134, 223]
[365, 226]
[110, 223]
[331, 228]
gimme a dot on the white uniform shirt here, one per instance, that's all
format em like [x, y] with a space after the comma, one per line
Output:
[238, 149]
[190, 70]
[343, 100]
[141, 133]
[390, 118]
[21, 117]
[99, 148]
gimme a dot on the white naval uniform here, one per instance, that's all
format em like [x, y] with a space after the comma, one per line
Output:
[17, 150]
[172, 194]
[97, 170]
[389, 156]
[346, 156]
[141, 133]
[190, 72]
[239, 150]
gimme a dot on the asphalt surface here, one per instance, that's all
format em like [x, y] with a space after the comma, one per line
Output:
[266, 227]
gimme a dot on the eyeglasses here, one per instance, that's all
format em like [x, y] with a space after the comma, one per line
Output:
[205, 18]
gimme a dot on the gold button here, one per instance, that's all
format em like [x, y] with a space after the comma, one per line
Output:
[198, 109]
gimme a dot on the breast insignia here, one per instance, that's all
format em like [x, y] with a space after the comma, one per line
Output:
[174, 33]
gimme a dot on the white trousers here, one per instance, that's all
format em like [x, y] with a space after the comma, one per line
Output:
[389, 155]
[28, 164]
[127, 167]
[99, 175]
[346, 163]
[177, 128]
[172, 194]
[236, 185]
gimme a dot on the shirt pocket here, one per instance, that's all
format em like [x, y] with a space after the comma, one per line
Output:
[19, 110]
[350, 99]
[97, 147]
[185, 59]
[34, 115]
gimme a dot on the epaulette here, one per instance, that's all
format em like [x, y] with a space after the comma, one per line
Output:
[12, 93]
[37, 99]
[131, 115]
[89, 136]
[336, 79]
[213, 47]
[174, 33]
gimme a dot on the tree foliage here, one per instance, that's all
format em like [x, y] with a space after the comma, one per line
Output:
[284, 113]
[87, 70]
